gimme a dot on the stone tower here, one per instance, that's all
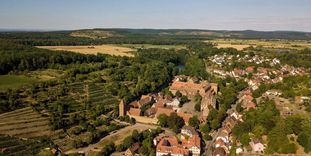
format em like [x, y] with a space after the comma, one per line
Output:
[122, 110]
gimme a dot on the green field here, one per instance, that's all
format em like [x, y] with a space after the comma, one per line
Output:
[148, 46]
[14, 81]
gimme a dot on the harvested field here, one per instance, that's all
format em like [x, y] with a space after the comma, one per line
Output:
[98, 49]
[237, 47]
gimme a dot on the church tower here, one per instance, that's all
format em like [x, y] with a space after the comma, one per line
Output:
[122, 108]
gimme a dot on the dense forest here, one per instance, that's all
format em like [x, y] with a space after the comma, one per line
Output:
[22, 57]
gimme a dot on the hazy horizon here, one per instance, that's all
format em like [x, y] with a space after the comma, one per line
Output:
[44, 15]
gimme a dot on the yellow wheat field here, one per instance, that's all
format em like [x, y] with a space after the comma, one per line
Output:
[102, 49]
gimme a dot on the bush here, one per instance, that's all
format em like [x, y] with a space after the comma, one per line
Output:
[76, 130]
[207, 137]
[304, 140]
[178, 94]
[109, 148]
[289, 148]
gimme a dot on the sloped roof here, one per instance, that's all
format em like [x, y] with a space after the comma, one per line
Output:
[134, 111]
[166, 111]
[192, 141]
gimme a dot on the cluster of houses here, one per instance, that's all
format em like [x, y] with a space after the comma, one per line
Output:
[227, 59]
[160, 104]
[246, 99]
[223, 141]
[261, 75]
[189, 143]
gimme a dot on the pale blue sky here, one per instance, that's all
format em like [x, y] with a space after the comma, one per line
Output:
[194, 14]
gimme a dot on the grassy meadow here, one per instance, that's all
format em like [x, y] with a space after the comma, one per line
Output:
[14, 81]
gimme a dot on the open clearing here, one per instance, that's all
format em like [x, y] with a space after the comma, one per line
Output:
[27, 78]
[276, 44]
[101, 49]
[14, 81]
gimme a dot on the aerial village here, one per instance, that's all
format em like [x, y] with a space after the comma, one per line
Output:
[189, 141]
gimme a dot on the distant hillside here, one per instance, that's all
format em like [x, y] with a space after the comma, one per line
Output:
[140, 36]
[101, 33]
[247, 34]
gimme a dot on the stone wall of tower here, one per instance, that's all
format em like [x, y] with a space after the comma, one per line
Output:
[122, 110]
[208, 99]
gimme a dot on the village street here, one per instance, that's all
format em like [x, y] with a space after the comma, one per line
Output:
[209, 145]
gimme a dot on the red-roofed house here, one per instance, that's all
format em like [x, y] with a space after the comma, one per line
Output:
[250, 69]
[134, 112]
[169, 145]
[166, 111]
[193, 144]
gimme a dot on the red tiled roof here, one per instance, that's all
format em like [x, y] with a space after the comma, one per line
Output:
[133, 148]
[166, 111]
[192, 141]
[219, 152]
[150, 111]
[169, 144]
[191, 129]
[219, 142]
[134, 111]
[135, 104]
[250, 105]
[177, 85]
[145, 99]
[250, 69]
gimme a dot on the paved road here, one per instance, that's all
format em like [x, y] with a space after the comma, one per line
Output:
[127, 130]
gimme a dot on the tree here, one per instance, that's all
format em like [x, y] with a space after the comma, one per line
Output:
[215, 124]
[163, 120]
[178, 94]
[196, 67]
[136, 135]
[289, 148]
[245, 139]
[197, 107]
[183, 100]
[128, 141]
[204, 128]
[207, 137]
[304, 139]
[109, 148]
[258, 131]
[133, 121]
[194, 122]
[212, 115]
[175, 122]
[239, 107]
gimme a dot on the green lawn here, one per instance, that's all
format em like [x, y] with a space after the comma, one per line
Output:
[14, 81]
[136, 46]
